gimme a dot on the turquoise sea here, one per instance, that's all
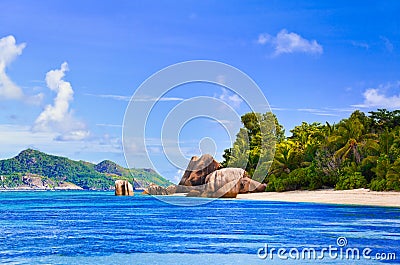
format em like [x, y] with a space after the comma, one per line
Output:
[100, 228]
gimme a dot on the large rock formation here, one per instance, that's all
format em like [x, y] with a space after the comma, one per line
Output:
[154, 189]
[198, 169]
[186, 189]
[205, 178]
[123, 187]
[225, 183]
[256, 186]
[250, 185]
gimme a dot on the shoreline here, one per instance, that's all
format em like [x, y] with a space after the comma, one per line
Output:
[363, 197]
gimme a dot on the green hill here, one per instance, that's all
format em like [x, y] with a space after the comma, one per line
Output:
[61, 169]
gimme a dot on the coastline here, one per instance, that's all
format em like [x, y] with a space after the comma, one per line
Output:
[363, 197]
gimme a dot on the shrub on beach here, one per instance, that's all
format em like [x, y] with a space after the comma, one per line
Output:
[378, 184]
[352, 180]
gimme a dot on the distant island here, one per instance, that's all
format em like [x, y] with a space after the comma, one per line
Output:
[35, 170]
[359, 152]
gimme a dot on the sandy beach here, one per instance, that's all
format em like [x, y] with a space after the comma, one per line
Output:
[353, 197]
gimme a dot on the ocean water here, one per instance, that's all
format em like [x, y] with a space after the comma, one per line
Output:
[100, 228]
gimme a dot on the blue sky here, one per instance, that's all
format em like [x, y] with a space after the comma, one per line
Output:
[69, 68]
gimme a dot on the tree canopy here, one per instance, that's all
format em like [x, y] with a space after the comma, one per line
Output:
[362, 151]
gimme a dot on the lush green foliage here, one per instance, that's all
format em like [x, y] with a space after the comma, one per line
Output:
[11, 181]
[81, 173]
[351, 180]
[255, 143]
[359, 152]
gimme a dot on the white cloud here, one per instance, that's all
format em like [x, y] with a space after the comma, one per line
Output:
[73, 135]
[388, 44]
[14, 138]
[128, 98]
[114, 97]
[224, 122]
[158, 99]
[178, 176]
[58, 117]
[134, 145]
[232, 99]
[319, 112]
[290, 42]
[221, 79]
[333, 112]
[363, 45]
[273, 108]
[228, 97]
[9, 50]
[376, 97]
[109, 125]
[264, 38]
[35, 99]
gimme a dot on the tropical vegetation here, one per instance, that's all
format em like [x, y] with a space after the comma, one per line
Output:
[361, 151]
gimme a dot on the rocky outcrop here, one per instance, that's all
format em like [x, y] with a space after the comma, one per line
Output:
[154, 189]
[123, 188]
[250, 185]
[36, 182]
[225, 183]
[245, 183]
[198, 169]
[193, 193]
[186, 189]
[205, 178]
[67, 186]
[171, 189]
[256, 186]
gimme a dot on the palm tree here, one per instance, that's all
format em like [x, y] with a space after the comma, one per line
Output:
[286, 158]
[380, 162]
[309, 138]
[393, 176]
[329, 129]
[352, 140]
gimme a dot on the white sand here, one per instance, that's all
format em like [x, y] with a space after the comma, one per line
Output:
[355, 197]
